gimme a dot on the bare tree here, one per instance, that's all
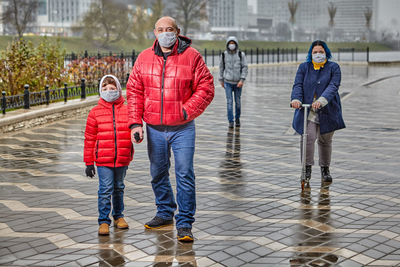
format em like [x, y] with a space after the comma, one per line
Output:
[332, 12]
[107, 20]
[292, 5]
[189, 12]
[18, 14]
[368, 16]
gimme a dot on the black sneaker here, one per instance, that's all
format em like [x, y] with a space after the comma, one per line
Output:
[237, 122]
[185, 235]
[158, 222]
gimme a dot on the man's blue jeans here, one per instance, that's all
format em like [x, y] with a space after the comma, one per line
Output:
[237, 92]
[181, 139]
[111, 184]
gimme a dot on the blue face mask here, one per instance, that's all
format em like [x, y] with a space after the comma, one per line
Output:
[318, 57]
[166, 39]
[110, 95]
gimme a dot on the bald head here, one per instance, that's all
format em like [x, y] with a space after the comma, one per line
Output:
[166, 22]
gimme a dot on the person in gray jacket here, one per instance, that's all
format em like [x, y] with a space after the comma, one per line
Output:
[232, 73]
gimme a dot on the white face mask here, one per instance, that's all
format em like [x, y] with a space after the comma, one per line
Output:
[318, 57]
[166, 39]
[231, 47]
[110, 95]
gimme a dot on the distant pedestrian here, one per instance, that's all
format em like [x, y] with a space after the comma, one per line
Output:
[170, 86]
[108, 144]
[232, 74]
[317, 83]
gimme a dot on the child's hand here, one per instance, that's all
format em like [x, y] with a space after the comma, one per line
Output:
[90, 171]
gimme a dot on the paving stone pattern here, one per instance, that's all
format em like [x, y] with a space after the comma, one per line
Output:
[250, 209]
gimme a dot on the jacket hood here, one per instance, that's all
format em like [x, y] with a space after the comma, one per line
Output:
[180, 46]
[232, 38]
[115, 79]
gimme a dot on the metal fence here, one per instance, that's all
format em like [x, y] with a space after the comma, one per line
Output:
[211, 57]
[47, 96]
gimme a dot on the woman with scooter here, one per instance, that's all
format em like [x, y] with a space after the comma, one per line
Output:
[316, 85]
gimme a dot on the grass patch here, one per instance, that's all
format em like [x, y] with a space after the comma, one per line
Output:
[79, 45]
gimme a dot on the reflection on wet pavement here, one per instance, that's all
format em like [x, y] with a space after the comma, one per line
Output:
[250, 211]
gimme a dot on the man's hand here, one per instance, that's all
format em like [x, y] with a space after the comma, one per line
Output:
[138, 130]
[222, 84]
[295, 104]
[240, 84]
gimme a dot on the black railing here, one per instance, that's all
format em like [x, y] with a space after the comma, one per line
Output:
[47, 96]
[211, 58]
[254, 56]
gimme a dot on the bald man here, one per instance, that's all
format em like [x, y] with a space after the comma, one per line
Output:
[170, 86]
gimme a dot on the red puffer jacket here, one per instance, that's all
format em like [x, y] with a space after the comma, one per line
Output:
[107, 135]
[170, 91]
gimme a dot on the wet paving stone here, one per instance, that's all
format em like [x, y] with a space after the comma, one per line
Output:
[250, 209]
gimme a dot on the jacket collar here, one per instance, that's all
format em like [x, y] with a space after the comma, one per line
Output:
[180, 46]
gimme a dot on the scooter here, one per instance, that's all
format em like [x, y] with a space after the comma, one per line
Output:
[304, 181]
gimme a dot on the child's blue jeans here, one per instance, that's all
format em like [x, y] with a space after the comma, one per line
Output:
[111, 184]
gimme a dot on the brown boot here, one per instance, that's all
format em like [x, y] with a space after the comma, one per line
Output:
[121, 223]
[104, 229]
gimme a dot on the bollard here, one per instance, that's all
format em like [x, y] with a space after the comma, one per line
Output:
[26, 97]
[367, 54]
[86, 54]
[251, 56]
[83, 88]
[47, 94]
[212, 53]
[127, 78]
[3, 102]
[65, 92]
[297, 50]
[205, 55]
[98, 55]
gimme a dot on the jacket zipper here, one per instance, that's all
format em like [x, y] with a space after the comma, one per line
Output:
[162, 89]
[97, 149]
[115, 136]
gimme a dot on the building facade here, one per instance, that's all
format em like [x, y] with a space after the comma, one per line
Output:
[312, 17]
[228, 17]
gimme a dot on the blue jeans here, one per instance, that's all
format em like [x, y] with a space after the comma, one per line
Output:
[237, 92]
[111, 184]
[181, 139]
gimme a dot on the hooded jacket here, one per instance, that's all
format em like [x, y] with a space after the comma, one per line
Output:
[169, 91]
[107, 135]
[234, 69]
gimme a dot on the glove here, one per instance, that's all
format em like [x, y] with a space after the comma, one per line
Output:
[90, 171]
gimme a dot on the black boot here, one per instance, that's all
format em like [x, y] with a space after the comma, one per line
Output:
[326, 175]
[308, 173]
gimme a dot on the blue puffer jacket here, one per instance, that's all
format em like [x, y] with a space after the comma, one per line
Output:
[324, 82]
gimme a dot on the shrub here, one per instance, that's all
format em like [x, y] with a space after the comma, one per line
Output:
[92, 69]
[21, 63]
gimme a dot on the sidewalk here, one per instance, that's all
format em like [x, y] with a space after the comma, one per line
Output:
[250, 211]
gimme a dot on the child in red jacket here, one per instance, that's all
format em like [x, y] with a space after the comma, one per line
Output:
[108, 144]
